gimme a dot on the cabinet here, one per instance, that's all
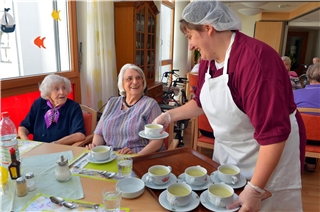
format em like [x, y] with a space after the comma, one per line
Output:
[135, 39]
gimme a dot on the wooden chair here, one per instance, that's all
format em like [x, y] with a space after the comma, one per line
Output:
[309, 110]
[169, 142]
[312, 124]
[90, 123]
[201, 141]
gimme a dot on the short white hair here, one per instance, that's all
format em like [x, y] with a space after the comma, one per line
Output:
[49, 81]
[286, 58]
[121, 74]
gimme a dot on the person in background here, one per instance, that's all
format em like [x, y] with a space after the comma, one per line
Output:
[315, 60]
[195, 68]
[125, 116]
[294, 78]
[53, 117]
[259, 135]
[310, 97]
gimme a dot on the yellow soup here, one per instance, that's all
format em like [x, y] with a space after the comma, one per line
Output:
[228, 171]
[195, 173]
[221, 192]
[100, 150]
[153, 127]
[159, 171]
[179, 191]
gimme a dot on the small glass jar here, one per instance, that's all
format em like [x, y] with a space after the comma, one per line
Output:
[21, 187]
[31, 183]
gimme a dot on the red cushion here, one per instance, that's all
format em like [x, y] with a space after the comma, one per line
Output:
[312, 124]
[193, 79]
[312, 148]
[203, 123]
[205, 139]
[87, 122]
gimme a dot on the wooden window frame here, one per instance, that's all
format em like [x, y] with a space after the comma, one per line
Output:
[25, 84]
[171, 5]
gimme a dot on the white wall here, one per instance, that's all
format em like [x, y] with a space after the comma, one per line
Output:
[248, 23]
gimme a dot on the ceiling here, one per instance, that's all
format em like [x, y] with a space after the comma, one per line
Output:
[308, 21]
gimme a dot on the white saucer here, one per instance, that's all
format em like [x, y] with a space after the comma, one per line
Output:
[206, 203]
[192, 205]
[214, 178]
[91, 159]
[164, 135]
[172, 179]
[194, 187]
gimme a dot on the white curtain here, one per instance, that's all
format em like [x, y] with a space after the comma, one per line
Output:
[99, 74]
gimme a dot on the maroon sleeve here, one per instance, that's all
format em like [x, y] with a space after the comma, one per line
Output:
[261, 88]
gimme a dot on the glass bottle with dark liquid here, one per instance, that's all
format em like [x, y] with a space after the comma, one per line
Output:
[14, 167]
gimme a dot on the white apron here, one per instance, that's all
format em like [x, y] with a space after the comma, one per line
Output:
[235, 144]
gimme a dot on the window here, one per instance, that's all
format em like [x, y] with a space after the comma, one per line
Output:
[40, 42]
[166, 36]
[30, 83]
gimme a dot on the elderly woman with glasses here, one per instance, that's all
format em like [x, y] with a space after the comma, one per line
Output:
[125, 116]
[53, 117]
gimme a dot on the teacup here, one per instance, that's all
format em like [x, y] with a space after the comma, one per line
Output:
[229, 173]
[220, 194]
[159, 174]
[153, 130]
[179, 194]
[101, 152]
[196, 175]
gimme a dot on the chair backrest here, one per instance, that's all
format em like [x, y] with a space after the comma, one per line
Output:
[309, 110]
[90, 119]
[312, 124]
[191, 82]
[203, 123]
[201, 140]
[193, 79]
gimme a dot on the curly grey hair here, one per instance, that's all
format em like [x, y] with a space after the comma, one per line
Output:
[121, 74]
[313, 73]
[51, 80]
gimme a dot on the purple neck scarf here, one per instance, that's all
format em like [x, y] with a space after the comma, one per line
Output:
[52, 115]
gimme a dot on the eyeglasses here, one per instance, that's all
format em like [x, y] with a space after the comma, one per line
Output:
[130, 79]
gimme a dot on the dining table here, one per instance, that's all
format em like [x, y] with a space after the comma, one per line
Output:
[92, 188]
[152, 198]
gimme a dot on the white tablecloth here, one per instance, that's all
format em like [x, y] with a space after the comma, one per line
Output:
[43, 167]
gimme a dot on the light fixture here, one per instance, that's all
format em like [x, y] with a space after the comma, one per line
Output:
[254, 4]
[250, 11]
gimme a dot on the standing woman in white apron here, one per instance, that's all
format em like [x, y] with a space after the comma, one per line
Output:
[246, 95]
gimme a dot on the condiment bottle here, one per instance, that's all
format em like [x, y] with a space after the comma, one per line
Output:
[21, 187]
[8, 135]
[31, 183]
[62, 172]
[14, 167]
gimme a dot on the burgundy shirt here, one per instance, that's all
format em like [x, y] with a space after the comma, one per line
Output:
[260, 87]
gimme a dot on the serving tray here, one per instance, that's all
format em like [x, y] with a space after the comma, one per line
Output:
[179, 159]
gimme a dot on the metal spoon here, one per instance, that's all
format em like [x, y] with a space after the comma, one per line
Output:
[72, 205]
[57, 200]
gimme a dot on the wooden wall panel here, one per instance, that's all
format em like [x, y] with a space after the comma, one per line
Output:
[271, 33]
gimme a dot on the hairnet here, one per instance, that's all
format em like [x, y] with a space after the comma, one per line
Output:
[212, 13]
